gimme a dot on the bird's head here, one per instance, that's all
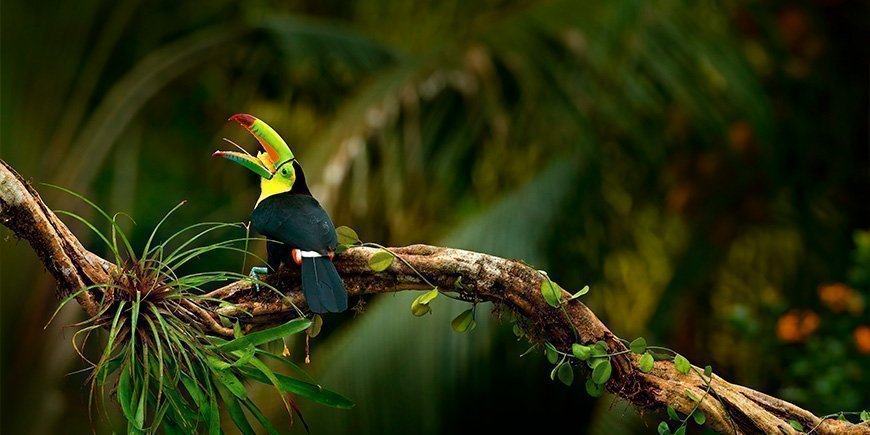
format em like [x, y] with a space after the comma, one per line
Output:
[274, 163]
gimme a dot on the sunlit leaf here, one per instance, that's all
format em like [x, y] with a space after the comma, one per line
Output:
[581, 352]
[551, 292]
[682, 364]
[581, 292]
[646, 362]
[347, 236]
[380, 261]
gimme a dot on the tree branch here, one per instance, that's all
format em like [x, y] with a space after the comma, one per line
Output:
[484, 278]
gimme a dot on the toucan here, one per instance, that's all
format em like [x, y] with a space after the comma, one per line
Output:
[294, 223]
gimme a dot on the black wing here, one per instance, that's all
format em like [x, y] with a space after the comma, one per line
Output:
[296, 220]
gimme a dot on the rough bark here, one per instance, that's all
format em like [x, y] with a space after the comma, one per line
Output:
[484, 278]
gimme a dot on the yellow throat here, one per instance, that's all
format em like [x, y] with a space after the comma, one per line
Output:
[282, 181]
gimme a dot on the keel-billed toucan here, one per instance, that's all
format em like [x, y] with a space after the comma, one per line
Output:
[288, 214]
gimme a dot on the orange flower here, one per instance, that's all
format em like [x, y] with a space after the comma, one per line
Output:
[862, 339]
[796, 326]
[839, 298]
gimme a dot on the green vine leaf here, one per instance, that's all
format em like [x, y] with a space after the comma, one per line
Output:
[518, 331]
[699, 417]
[708, 371]
[566, 374]
[663, 429]
[865, 416]
[680, 430]
[552, 292]
[420, 306]
[316, 325]
[692, 396]
[419, 309]
[672, 413]
[638, 346]
[464, 322]
[582, 292]
[381, 261]
[581, 352]
[551, 353]
[682, 364]
[601, 372]
[593, 389]
[597, 355]
[646, 362]
[797, 426]
[347, 236]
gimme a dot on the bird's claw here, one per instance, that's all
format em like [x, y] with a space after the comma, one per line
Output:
[255, 275]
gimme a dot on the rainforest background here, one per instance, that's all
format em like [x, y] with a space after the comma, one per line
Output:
[702, 166]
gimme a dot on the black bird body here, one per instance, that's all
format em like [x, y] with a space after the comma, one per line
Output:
[296, 225]
[295, 220]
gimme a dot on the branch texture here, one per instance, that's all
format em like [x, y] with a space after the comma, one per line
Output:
[484, 278]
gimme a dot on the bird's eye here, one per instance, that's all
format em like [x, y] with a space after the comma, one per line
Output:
[284, 172]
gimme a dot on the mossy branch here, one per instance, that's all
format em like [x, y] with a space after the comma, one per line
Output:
[484, 278]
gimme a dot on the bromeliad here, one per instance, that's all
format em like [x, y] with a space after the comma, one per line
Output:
[297, 226]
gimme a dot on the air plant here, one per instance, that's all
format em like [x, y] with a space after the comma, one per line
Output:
[163, 369]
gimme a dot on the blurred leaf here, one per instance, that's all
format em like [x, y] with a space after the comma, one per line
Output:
[316, 325]
[672, 413]
[566, 374]
[663, 429]
[464, 321]
[594, 389]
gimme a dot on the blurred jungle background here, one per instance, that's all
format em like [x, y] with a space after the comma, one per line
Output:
[703, 166]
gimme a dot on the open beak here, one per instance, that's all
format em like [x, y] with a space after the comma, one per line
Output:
[277, 151]
[272, 143]
[247, 161]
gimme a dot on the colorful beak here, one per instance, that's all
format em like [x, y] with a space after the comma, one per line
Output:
[272, 143]
[247, 161]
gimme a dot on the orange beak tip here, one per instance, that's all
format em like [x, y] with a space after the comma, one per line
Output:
[243, 119]
[216, 154]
